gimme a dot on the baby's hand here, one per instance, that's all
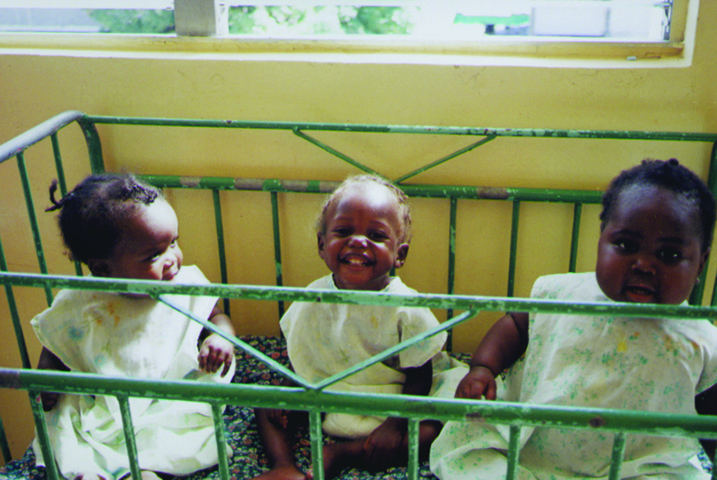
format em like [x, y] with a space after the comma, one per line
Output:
[49, 400]
[477, 383]
[215, 352]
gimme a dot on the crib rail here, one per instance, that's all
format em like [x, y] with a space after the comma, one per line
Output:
[313, 398]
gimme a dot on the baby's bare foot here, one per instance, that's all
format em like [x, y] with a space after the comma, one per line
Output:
[288, 472]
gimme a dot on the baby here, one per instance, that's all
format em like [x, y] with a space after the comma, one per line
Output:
[363, 233]
[122, 228]
[656, 232]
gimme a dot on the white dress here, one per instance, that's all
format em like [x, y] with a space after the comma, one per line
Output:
[118, 335]
[655, 365]
[324, 339]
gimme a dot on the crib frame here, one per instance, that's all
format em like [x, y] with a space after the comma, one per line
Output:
[313, 398]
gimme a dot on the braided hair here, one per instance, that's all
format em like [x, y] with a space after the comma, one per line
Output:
[404, 212]
[92, 214]
[671, 176]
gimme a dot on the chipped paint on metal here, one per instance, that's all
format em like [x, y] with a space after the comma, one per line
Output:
[190, 182]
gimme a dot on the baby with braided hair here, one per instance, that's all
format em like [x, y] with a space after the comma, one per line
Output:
[123, 228]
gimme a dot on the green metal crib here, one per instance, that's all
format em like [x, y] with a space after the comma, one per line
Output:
[314, 398]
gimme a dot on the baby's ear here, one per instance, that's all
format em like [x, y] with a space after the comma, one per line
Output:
[98, 268]
[703, 260]
[401, 255]
[320, 243]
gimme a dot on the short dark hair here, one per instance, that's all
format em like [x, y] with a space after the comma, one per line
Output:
[91, 215]
[404, 213]
[671, 176]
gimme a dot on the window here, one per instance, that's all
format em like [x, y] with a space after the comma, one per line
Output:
[619, 20]
[632, 29]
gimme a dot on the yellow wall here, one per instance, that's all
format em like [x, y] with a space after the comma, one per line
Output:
[36, 87]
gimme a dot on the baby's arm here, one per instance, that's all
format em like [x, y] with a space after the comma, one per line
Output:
[216, 350]
[504, 343]
[706, 404]
[50, 361]
[383, 444]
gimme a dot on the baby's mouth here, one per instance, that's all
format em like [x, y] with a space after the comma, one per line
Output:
[170, 276]
[640, 293]
[355, 260]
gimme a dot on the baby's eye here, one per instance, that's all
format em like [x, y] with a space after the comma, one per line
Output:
[342, 231]
[669, 255]
[378, 236]
[174, 243]
[626, 246]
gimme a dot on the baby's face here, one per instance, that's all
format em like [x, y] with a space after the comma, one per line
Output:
[148, 249]
[362, 238]
[650, 248]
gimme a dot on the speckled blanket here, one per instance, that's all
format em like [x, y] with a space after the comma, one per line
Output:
[248, 459]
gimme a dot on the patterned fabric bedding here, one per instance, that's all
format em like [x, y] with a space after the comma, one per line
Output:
[248, 459]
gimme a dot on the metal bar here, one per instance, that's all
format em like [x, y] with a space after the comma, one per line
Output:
[444, 159]
[409, 406]
[43, 437]
[295, 294]
[513, 452]
[33, 220]
[130, 441]
[21, 345]
[220, 435]
[277, 247]
[513, 248]
[427, 191]
[94, 145]
[4, 445]
[409, 129]
[22, 142]
[577, 211]
[14, 315]
[61, 182]
[220, 244]
[618, 452]
[269, 362]
[696, 297]
[317, 445]
[333, 151]
[413, 446]
[451, 264]
[390, 352]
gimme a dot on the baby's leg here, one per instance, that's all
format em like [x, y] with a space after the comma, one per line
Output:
[275, 439]
[428, 431]
[338, 456]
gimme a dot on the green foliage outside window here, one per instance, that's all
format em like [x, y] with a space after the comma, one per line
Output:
[253, 20]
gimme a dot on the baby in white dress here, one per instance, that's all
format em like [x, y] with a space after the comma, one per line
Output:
[122, 228]
[656, 233]
[363, 233]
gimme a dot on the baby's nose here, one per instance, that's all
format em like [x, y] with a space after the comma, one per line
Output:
[170, 259]
[644, 263]
[358, 241]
